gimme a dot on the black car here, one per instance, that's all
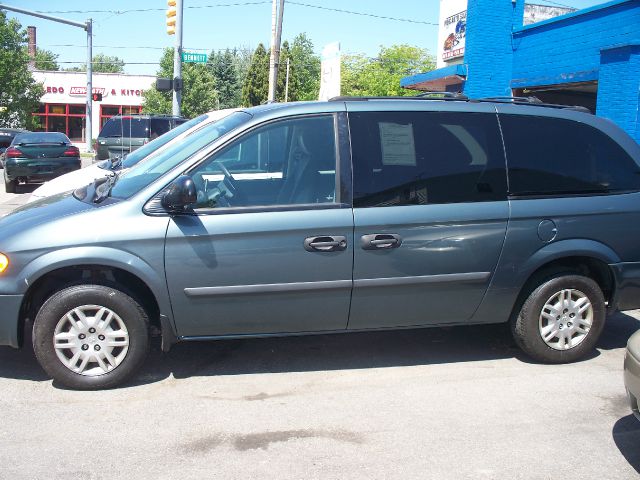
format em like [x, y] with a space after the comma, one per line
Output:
[125, 133]
[6, 137]
[35, 157]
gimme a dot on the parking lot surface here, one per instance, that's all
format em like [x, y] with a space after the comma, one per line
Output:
[455, 403]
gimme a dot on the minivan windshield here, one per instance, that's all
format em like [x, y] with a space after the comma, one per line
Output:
[148, 170]
[134, 157]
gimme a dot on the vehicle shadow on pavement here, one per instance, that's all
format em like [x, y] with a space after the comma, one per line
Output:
[428, 346]
[626, 435]
[322, 352]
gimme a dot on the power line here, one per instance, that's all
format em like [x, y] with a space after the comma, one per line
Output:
[242, 4]
[364, 14]
[67, 45]
[129, 47]
[120, 12]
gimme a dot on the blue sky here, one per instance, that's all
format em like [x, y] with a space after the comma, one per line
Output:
[246, 23]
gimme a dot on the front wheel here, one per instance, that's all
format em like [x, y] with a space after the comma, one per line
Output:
[89, 337]
[561, 320]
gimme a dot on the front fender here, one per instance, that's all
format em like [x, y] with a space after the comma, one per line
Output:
[102, 256]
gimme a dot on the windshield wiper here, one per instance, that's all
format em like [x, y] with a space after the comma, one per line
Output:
[103, 187]
[116, 162]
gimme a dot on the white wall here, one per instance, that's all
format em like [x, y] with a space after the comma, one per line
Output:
[116, 89]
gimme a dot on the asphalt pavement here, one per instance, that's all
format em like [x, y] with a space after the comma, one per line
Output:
[454, 403]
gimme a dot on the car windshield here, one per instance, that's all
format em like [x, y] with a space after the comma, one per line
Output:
[130, 127]
[137, 155]
[148, 170]
[40, 137]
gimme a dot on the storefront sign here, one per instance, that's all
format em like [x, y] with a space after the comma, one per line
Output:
[452, 32]
[455, 28]
[83, 91]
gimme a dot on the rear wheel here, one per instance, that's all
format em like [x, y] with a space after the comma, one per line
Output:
[89, 337]
[561, 320]
[10, 185]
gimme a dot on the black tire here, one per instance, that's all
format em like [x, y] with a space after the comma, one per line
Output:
[10, 185]
[526, 327]
[126, 309]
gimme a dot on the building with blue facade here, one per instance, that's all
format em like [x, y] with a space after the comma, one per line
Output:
[589, 57]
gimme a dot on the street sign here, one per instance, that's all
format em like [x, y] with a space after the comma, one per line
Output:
[190, 57]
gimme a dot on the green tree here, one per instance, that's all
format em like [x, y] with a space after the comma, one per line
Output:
[256, 84]
[107, 64]
[304, 77]
[19, 93]
[199, 93]
[242, 59]
[381, 76]
[225, 71]
[46, 60]
[102, 64]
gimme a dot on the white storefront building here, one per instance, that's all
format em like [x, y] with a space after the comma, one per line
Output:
[63, 105]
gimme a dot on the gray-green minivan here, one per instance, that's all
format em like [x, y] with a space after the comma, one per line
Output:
[351, 215]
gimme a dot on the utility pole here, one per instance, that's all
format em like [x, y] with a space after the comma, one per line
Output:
[175, 27]
[274, 58]
[286, 84]
[89, 101]
[88, 26]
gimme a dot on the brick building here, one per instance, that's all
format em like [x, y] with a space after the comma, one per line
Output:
[588, 57]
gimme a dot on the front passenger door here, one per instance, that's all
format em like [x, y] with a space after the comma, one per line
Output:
[269, 248]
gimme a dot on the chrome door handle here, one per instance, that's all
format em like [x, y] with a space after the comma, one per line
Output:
[380, 241]
[325, 243]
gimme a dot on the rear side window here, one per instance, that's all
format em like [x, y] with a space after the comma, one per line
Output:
[553, 156]
[128, 127]
[420, 158]
[159, 126]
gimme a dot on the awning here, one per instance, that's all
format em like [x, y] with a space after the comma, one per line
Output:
[436, 80]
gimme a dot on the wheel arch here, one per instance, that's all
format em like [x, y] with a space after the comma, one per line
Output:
[55, 270]
[587, 258]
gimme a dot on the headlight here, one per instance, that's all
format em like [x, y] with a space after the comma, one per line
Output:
[4, 262]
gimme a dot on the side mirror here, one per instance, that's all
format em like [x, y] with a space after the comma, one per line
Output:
[181, 194]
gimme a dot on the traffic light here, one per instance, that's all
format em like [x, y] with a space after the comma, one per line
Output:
[96, 97]
[171, 17]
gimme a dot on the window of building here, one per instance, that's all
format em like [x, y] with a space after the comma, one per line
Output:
[108, 111]
[553, 156]
[420, 158]
[63, 118]
[290, 162]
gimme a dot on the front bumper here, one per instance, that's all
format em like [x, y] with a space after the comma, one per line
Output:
[632, 373]
[9, 317]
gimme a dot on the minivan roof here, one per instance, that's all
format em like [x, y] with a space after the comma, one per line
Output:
[443, 97]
